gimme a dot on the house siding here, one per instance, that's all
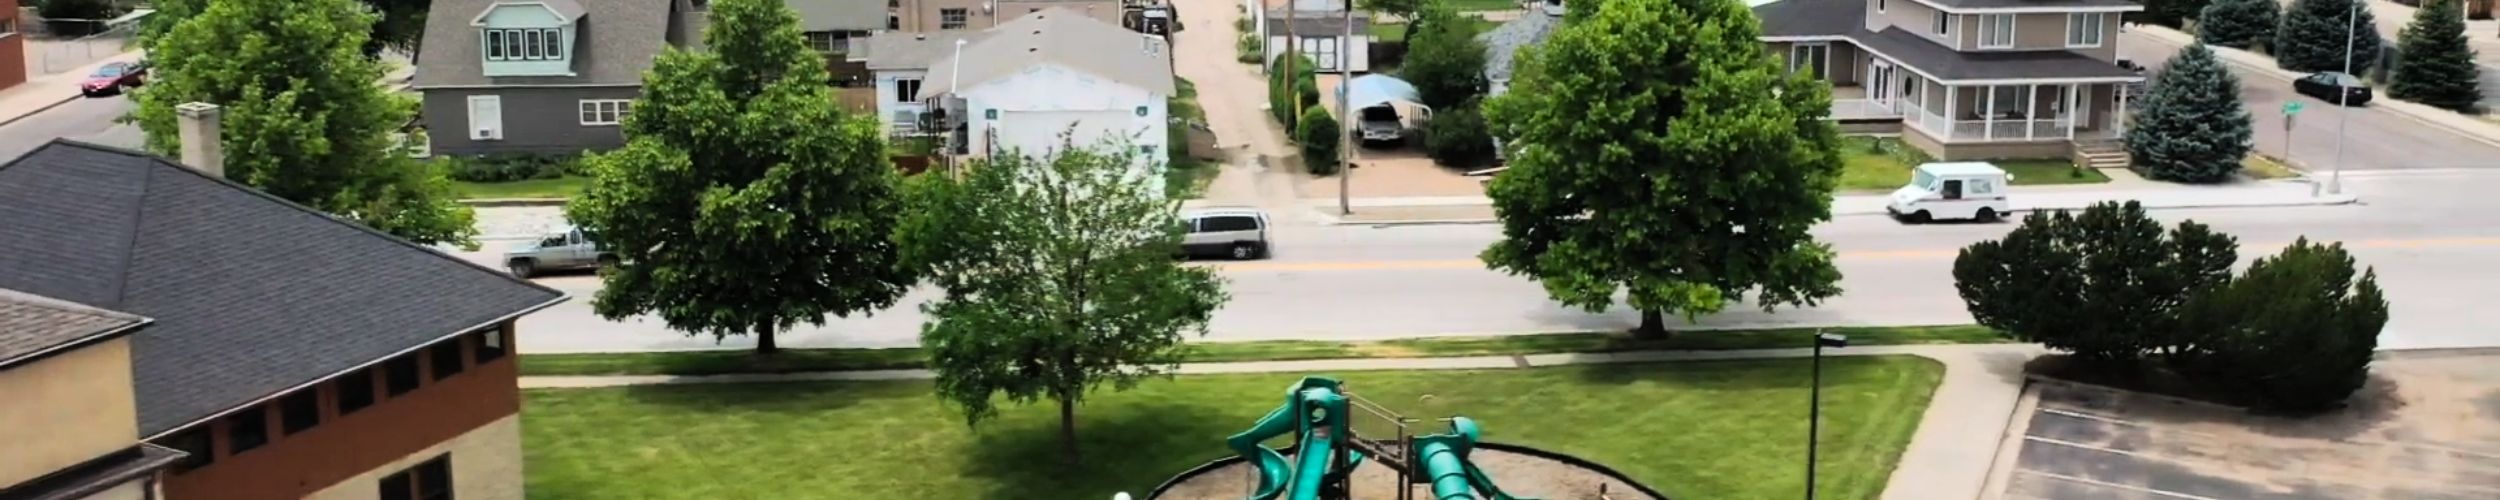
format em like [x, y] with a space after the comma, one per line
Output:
[12, 47]
[342, 448]
[535, 120]
[66, 409]
[890, 102]
[1912, 17]
[1035, 107]
[927, 16]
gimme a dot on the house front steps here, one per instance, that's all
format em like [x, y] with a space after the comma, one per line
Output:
[2101, 153]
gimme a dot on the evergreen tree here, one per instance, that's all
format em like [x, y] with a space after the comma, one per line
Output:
[2193, 128]
[1319, 135]
[2297, 330]
[1663, 156]
[2105, 284]
[304, 118]
[1445, 61]
[2311, 37]
[2438, 67]
[2239, 24]
[745, 200]
[2172, 13]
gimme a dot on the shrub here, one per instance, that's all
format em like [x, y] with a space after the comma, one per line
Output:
[2193, 127]
[2241, 24]
[1305, 83]
[1445, 62]
[1248, 49]
[1458, 137]
[2436, 66]
[2296, 330]
[1319, 137]
[2105, 284]
[509, 167]
[2311, 37]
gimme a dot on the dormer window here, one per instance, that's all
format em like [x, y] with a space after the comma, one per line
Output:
[528, 37]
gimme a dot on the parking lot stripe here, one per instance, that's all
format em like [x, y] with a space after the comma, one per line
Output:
[2106, 484]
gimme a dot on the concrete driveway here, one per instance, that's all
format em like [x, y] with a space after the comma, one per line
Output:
[2426, 429]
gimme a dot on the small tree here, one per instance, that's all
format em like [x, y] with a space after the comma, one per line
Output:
[1059, 279]
[1302, 85]
[2239, 24]
[1410, 10]
[2193, 128]
[2297, 330]
[2105, 284]
[745, 201]
[1319, 136]
[1445, 61]
[2311, 37]
[1457, 137]
[2438, 67]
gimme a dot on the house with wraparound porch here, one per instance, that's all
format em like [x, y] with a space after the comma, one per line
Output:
[1967, 79]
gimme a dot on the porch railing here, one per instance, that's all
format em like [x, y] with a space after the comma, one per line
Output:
[2004, 129]
[1847, 109]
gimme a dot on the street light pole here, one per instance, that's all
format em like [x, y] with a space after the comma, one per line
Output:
[1814, 412]
[1349, 123]
[2343, 98]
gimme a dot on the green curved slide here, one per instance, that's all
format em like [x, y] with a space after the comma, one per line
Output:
[1314, 412]
[1445, 464]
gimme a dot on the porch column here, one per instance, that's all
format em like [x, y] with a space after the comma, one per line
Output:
[2118, 113]
[1951, 97]
[2074, 101]
[2031, 113]
[1988, 115]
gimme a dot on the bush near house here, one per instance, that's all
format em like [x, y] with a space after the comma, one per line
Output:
[2437, 67]
[2193, 127]
[1319, 136]
[1304, 85]
[2311, 37]
[510, 167]
[2239, 24]
[1458, 137]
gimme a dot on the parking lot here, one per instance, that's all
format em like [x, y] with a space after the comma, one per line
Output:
[2427, 428]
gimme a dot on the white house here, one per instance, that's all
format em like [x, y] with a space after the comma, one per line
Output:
[1056, 75]
[1320, 27]
[899, 62]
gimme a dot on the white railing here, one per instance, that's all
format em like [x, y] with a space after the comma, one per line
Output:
[2004, 129]
[1846, 109]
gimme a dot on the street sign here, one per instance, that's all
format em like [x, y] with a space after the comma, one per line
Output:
[2291, 108]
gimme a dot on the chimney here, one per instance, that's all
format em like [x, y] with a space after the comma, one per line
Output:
[199, 130]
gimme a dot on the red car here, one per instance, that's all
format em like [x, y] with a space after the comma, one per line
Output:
[113, 77]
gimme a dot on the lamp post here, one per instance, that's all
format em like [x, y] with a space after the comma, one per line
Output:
[1814, 415]
[2343, 98]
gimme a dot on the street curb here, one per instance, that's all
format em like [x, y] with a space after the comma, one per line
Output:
[2406, 110]
[39, 110]
[2010, 445]
[515, 202]
[2323, 201]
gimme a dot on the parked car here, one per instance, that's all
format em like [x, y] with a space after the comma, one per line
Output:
[1959, 190]
[113, 77]
[2136, 89]
[2333, 87]
[568, 248]
[1381, 124]
[1237, 233]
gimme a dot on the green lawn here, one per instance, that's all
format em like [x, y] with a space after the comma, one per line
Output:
[564, 187]
[1883, 164]
[803, 360]
[1730, 429]
[1186, 176]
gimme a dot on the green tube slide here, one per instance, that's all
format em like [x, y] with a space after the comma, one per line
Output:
[1314, 413]
[1453, 477]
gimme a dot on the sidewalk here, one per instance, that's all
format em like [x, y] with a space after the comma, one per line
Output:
[1949, 457]
[41, 93]
[2244, 194]
[2466, 126]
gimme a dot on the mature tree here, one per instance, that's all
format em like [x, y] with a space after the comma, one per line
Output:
[2438, 67]
[303, 119]
[1456, 137]
[1320, 136]
[1651, 161]
[2193, 127]
[745, 200]
[2297, 330]
[2240, 24]
[2106, 284]
[2172, 13]
[1445, 61]
[1059, 278]
[400, 25]
[1410, 10]
[2312, 37]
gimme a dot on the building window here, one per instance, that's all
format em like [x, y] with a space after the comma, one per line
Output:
[446, 358]
[893, 22]
[536, 44]
[605, 111]
[1879, 5]
[8, 27]
[399, 375]
[246, 430]
[906, 90]
[1814, 57]
[427, 481]
[952, 19]
[1944, 23]
[300, 411]
[195, 446]
[2084, 30]
[1996, 31]
[821, 41]
[489, 345]
[355, 391]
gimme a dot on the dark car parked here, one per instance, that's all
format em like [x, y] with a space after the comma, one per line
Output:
[113, 77]
[2333, 87]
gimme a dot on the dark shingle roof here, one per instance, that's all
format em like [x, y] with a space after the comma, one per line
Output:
[252, 295]
[31, 325]
[616, 41]
[1946, 64]
[1786, 18]
[1502, 43]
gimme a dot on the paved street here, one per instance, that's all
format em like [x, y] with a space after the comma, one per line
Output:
[82, 119]
[1348, 282]
[2378, 139]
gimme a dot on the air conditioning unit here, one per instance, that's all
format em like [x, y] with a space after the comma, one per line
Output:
[486, 133]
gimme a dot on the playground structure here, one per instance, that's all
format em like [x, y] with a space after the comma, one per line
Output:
[1326, 451]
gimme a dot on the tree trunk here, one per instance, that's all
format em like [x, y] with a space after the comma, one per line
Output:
[764, 345]
[1653, 325]
[1067, 427]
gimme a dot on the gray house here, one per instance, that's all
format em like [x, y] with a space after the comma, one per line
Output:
[541, 76]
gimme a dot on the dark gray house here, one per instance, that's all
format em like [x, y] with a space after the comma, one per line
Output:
[541, 76]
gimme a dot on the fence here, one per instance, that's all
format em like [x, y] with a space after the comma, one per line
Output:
[60, 45]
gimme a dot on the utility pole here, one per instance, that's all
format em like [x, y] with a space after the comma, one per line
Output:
[2343, 97]
[1293, 56]
[1347, 123]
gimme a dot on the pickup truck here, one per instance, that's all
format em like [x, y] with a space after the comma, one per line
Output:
[1380, 123]
[566, 248]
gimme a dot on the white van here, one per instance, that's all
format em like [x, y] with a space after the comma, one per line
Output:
[1957, 190]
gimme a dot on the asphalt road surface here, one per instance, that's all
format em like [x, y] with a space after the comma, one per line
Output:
[2428, 236]
[86, 119]
[2375, 139]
